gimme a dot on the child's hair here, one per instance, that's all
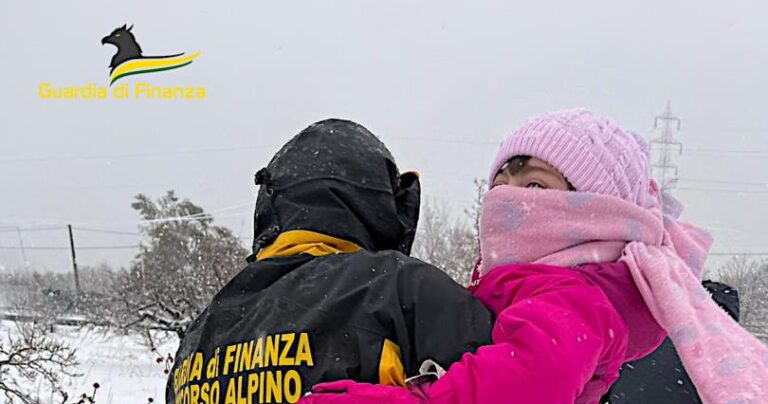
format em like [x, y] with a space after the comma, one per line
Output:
[517, 163]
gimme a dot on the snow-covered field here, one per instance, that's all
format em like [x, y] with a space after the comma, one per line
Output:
[127, 370]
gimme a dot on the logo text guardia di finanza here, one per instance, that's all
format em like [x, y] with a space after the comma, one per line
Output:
[130, 61]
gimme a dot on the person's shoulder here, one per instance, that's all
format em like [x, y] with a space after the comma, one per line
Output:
[405, 263]
[725, 296]
[397, 265]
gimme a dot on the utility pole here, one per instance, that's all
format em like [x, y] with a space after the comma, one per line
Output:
[74, 259]
[21, 247]
[664, 169]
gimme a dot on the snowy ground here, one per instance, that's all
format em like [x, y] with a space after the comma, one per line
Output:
[126, 370]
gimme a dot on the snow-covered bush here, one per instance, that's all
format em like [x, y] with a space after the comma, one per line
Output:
[750, 279]
[184, 260]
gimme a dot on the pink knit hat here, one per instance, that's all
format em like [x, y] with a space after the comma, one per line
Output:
[593, 153]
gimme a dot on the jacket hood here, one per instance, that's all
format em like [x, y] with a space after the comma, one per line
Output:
[338, 179]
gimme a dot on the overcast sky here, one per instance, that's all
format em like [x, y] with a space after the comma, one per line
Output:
[441, 82]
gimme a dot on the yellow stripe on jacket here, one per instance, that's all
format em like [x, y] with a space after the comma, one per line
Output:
[391, 370]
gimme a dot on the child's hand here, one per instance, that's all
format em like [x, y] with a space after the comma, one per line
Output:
[351, 392]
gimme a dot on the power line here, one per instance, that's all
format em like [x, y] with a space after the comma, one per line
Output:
[196, 216]
[436, 140]
[122, 233]
[30, 159]
[212, 214]
[131, 246]
[724, 151]
[728, 191]
[32, 248]
[756, 184]
[5, 229]
[133, 155]
[746, 153]
[111, 247]
[751, 254]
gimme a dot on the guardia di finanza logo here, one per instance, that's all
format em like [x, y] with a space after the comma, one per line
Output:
[129, 60]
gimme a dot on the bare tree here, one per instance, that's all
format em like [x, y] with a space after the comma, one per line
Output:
[451, 244]
[750, 278]
[474, 212]
[30, 358]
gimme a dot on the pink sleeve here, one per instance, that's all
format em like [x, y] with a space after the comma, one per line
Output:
[557, 339]
[615, 280]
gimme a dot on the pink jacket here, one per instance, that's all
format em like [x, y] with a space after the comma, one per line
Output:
[560, 337]
[615, 280]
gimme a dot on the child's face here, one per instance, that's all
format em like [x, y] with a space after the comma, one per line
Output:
[530, 173]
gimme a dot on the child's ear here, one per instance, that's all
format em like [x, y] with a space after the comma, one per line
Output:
[408, 202]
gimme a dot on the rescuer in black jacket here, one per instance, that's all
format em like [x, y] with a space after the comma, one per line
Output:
[329, 292]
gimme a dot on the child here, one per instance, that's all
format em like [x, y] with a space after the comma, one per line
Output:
[571, 206]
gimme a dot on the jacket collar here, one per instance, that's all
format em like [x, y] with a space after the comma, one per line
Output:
[296, 242]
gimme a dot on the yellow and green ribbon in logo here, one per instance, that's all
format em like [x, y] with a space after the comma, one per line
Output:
[150, 65]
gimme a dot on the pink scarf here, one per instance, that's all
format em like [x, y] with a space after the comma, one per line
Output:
[665, 257]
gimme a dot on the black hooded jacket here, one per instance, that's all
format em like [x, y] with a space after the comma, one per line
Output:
[350, 304]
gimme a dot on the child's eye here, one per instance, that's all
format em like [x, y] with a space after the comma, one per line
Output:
[535, 185]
